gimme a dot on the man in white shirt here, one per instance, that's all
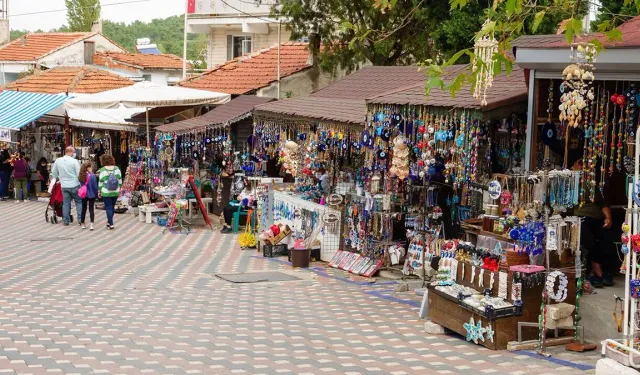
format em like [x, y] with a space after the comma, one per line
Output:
[67, 169]
[323, 179]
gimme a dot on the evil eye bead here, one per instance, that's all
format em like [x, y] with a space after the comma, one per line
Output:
[430, 129]
[625, 249]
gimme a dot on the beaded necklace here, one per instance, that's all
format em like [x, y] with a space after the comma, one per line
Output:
[604, 143]
[621, 132]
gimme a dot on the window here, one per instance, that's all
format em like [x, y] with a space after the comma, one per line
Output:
[146, 77]
[238, 46]
[89, 51]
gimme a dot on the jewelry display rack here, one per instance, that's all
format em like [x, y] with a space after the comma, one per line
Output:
[625, 350]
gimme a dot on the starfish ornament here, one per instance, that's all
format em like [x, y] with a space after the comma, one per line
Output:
[479, 332]
[471, 329]
[490, 332]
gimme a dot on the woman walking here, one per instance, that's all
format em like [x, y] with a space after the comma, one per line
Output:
[21, 172]
[43, 174]
[109, 183]
[88, 192]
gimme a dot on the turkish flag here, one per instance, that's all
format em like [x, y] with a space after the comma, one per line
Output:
[191, 6]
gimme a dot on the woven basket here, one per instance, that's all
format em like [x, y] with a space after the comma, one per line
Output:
[515, 258]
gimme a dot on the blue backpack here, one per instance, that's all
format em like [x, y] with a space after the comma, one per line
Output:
[112, 182]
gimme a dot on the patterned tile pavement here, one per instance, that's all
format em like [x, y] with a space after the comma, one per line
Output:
[138, 301]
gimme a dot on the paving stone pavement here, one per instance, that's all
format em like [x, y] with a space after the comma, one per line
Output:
[134, 301]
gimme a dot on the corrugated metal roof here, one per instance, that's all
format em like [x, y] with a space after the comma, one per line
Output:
[229, 113]
[506, 89]
[328, 109]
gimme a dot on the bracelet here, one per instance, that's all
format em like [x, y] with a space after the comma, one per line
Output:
[563, 282]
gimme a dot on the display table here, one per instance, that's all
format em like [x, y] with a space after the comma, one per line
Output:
[286, 207]
[148, 211]
[207, 201]
[452, 314]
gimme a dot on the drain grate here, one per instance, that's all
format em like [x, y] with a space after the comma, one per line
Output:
[256, 277]
[51, 239]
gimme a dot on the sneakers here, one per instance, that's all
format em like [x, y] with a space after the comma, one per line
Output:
[83, 226]
[607, 280]
[110, 227]
[225, 230]
[596, 281]
[91, 226]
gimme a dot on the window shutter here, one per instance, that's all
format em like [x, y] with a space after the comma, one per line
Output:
[229, 47]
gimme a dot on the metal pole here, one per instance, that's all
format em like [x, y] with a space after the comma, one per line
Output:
[184, 46]
[530, 118]
[148, 135]
[279, 42]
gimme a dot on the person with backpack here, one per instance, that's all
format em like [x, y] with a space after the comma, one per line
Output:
[88, 192]
[67, 169]
[21, 174]
[109, 184]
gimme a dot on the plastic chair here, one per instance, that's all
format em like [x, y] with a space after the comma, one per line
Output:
[235, 220]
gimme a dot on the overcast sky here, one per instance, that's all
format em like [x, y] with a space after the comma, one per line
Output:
[143, 11]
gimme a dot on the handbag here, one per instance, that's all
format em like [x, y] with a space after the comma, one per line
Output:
[82, 192]
[248, 239]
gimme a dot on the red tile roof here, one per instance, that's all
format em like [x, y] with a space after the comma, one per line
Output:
[81, 80]
[630, 38]
[249, 73]
[506, 90]
[138, 60]
[33, 46]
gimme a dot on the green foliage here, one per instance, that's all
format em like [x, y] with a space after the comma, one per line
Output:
[614, 13]
[167, 33]
[354, 31]
[81, 14]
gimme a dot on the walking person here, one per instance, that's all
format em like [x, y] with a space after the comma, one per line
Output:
[67, 170]
[43, 173]
[5, 173]
[88, 192]
[109, 184]
[21, 172]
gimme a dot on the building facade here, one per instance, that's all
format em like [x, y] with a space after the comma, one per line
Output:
[235, 28]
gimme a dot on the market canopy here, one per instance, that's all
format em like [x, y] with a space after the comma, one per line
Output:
[148, 95]
[232, 112]
[19, 108]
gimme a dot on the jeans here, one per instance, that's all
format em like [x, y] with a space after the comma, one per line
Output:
[69, 194]
[90, 203]
[109, 206]
[4, 184]
[20, 185]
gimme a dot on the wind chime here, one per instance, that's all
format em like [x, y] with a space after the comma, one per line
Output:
[484, 49]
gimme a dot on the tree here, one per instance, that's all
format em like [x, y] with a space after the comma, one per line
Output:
[353, 31]
[506, 19]
[458, 27]
[81, 14]
[614, 12]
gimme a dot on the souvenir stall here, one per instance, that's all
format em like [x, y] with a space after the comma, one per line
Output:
[442, 193]
[214, 147]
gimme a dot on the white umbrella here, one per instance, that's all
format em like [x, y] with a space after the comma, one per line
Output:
[147, 95]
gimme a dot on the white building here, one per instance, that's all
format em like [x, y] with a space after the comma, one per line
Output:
[235, 28]
[37, 51]
[162, 69]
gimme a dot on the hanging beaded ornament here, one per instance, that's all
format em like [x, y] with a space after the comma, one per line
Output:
[484, 49]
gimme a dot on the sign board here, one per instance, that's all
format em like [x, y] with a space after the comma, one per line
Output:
[5, 135]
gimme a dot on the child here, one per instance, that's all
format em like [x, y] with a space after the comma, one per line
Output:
[88, 178]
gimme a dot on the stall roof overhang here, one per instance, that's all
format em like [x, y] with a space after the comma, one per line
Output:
[148, 95]
[19, 108]
[349, 111]
[226, 114]
[506, 90]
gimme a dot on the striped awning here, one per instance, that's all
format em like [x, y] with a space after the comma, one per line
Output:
[19, 108]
